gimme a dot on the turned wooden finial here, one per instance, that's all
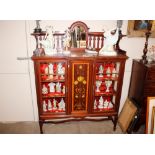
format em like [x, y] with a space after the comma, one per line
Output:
[120, 51]
[117, 47]
[144, 57]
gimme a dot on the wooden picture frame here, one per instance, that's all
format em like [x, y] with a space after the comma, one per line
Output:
[138, 28]
[149, 117]
[153, 121]
[127, 114]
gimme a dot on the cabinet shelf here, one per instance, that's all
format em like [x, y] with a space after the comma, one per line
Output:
[47, 78]
[106, 78]
[55, 74]
[52, 95]
[104, 110]
[54, 112]
[105, 93]
[48, 81]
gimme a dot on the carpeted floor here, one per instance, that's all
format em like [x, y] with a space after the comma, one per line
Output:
[74, 127]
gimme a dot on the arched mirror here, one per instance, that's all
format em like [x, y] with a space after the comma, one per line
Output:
[79, 35]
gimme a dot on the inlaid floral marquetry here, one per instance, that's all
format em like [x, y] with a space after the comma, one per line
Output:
[80, 76]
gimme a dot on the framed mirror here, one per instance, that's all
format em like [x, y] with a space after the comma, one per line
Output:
[79, 35]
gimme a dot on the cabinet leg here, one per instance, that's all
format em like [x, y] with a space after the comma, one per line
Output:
[115, 122]
[41, 126]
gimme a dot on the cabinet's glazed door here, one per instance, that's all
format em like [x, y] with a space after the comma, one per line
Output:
[53, 82]
[106, 83]
[80, 86]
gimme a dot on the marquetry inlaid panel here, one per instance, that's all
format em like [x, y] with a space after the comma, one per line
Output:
[80, 81]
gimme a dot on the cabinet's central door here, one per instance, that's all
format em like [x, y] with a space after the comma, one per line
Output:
[80, 82]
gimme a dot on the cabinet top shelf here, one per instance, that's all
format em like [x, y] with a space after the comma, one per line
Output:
[81, 55]
[149, 65]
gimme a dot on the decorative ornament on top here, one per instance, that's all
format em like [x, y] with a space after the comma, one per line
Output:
[48, 41]
[37, 29]
[119, 24]
[67, 41]
[111, 38]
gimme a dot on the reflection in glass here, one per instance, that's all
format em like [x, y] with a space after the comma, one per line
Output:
[78, 37]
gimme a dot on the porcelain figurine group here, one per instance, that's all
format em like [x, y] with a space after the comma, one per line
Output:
[48, 42]
[102, 104]
[54, 105]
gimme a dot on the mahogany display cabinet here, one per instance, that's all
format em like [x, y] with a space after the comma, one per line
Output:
[82, 91]
[78, 85]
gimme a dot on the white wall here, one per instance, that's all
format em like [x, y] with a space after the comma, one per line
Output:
[17, 91]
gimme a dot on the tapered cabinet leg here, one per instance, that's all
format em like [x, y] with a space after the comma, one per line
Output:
[41, 126]
[115, 122]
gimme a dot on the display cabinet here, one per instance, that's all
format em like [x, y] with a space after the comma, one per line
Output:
[75, 84]
[78, 87]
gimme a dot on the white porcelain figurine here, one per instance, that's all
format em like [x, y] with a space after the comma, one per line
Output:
[110, 105]
[108, 84]
[44, 90]
[49, 105]
[54, 104]
[100, 106]
[48, 42]
[98, 84]
[106, 104]
[95, 104]
[109, 42]
[61, 104]
[63, 89]
[108, 72]
[52, 87]
[58, 87]
[44, 106]
[46, 70]
[101, 69]
[114, 72]
[51, 71]
[60, 69]
[66, 41]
